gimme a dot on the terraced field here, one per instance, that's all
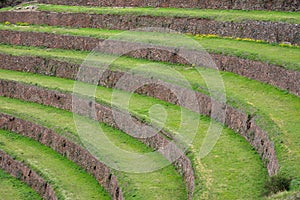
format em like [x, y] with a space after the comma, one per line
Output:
[225, 125]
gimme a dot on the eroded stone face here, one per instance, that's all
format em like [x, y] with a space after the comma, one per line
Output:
[287, 5]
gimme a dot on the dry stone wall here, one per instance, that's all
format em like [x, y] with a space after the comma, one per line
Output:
[63, 146]
[22, 172]
[235, 119]
[260, 30]
[283, 5]
[48, 40]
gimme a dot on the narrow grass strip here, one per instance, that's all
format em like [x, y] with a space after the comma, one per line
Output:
[287, 57]
[218, 15]
[230, 148]
[12, 188]
[68, 179]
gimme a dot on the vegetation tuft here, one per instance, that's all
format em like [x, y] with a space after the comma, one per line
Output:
[278, 183]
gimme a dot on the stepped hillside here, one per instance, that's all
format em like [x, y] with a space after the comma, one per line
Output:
[150, 99]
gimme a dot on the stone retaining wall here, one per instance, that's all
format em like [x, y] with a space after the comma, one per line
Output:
[22, 172]
[235, 119]
[65, 147]
[103, 114]
[274, 75]
[48, 40]
[268, 31]
[287, 5]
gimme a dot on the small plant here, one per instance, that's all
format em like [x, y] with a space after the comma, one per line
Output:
[278, 183]
[7, 23]
[213, 36]
[207, 36]
[287, 44]
[22, 23]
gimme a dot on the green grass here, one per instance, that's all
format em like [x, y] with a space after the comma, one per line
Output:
[219, 15]
[162, 182]
[90, 32]
[278, 110]
[68, 179]
[12, 188]
[287, 57]
[6, 8]
[69, 55]
[224, 180]
[260, 96]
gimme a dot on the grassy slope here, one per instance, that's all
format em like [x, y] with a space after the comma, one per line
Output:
[233, 153]
[163, 182]
[288, 57]
[266, 101]
[271, 91]
[12, 188]
[220, 15]
[68, 179]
